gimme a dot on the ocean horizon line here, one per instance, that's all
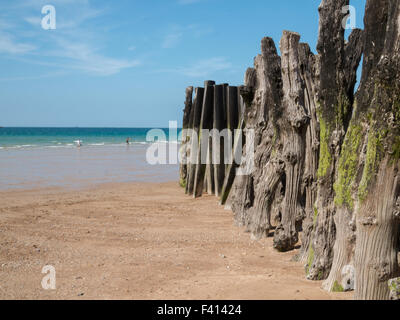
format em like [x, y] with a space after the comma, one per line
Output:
[31, 137]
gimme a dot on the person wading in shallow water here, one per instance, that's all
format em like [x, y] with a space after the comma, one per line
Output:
[127, 140]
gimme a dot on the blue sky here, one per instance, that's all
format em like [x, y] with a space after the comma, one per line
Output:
[126, 63]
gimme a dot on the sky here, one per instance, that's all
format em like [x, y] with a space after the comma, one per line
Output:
[126, 63]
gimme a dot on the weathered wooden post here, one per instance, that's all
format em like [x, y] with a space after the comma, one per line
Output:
[218, 140]
[209, 176]
[336, 76]
[209, 182]
[230, 172]
[377, 207]
[233, 108]
[294, 123]
[225, 102]
[247, 92]
[205, 126]
[185, 138]
[323, 156]
[258, 195]
[194, 139]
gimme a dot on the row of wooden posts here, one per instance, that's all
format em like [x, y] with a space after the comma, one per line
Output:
[217, 107]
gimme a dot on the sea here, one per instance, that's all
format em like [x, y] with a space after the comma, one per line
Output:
[33, 158]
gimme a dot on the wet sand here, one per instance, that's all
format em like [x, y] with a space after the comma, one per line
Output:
[138, 241]
[73, 168]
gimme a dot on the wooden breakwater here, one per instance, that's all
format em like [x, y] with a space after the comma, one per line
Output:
[212, 116]
[326, 169]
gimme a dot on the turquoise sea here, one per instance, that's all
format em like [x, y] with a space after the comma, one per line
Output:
[33, 158]
[66, 137]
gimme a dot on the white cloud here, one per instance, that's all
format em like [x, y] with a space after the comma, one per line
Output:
[71, 47]
[78, 57]
[177, 33]
[9, 45]
[34, 77]
[203, 68]
[6, 24]
[199, 31]
[171, 40]
[104, 66]
[34, 20]
[79, 18]
[81, 56]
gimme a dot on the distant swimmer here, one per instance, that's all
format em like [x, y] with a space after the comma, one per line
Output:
[78, 143]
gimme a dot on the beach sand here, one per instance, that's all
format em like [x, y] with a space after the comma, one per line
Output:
[138, 241]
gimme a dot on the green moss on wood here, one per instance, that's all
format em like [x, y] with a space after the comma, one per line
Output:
[182, 183]
[325, 157]
[310, 259]
[311, 254]
[394, 287]
[348, 162]
[327, 121]
[315, 216]
[396, 149]
[274, 152]
[371, 162]
[337, 287]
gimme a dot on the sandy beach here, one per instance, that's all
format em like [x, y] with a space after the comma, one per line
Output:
[138, 241]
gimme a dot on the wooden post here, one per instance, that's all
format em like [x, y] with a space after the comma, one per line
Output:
[230, 173]
[205, 123]
[194, 140]
[185, 139]
[217, 140]
[233, 112]
[209, 177]
[225, 103]
[210, 184]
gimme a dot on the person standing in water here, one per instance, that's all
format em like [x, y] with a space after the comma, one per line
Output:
[127, 140]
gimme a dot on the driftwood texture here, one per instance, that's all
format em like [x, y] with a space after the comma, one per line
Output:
[216, 109]
[325, 174]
